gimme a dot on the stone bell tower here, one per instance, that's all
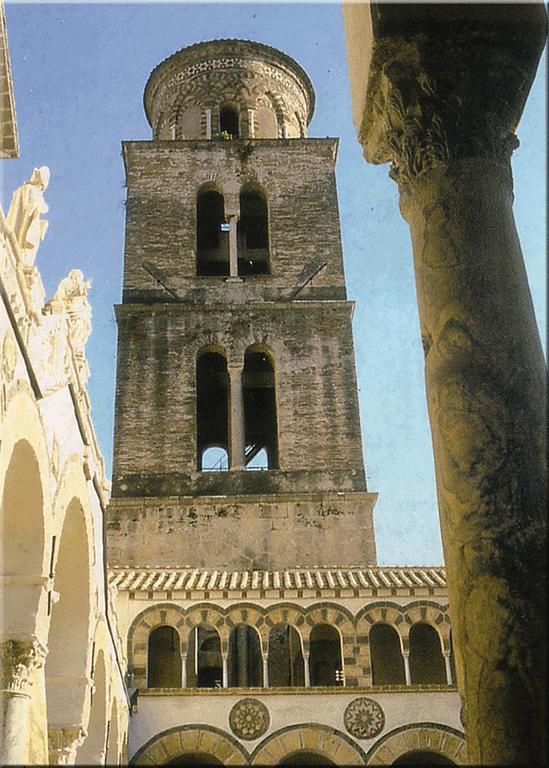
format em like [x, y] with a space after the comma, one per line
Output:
[237, 436]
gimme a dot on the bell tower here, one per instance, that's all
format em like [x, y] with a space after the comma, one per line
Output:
[237, 434]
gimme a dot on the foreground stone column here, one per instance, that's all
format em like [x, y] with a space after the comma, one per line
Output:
[18, 660]
[444, 91]
[236, 417]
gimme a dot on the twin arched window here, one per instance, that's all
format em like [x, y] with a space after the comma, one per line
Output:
[427, 664]
[246, 252]
[221, 409]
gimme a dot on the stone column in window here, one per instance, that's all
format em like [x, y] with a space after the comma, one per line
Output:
[232, 220]
[19, 659]
[236, 417]
[225, 681]
[208, 123]
[242, 656]
[449, 676]
[265, 657]
[407, 674]
[183, 667]
[63, 744]
[306, 670]
[251, 122]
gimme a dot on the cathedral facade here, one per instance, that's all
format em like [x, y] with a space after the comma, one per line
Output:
[224, 606]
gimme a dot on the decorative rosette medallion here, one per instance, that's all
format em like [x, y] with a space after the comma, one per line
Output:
[249, 719]
[364, 718]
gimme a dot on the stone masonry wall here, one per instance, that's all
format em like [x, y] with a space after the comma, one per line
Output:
[318, 421]
[247, 532]
[298, 177]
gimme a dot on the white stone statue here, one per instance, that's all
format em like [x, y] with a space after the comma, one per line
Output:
[27, 206]
[71, 298]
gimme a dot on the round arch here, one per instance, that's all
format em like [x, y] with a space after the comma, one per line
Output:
[432, 737]
[154, 616]
[248, 613]
[68, 661]
[427, 612]
[321, 740]
[23, 534]
[24, 474]
[92, 751]
[188, 740]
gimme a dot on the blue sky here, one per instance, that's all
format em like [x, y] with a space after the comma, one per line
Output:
[79, 72]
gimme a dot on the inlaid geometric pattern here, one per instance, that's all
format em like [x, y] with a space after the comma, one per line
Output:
[249, 719]
[364, 718]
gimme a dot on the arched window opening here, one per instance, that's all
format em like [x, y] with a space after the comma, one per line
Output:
[164, 659]
[423, 757]
[304, 757]
[204, 660]
[426, 659]
[258, 384]
[259, 461]
[253, 233]
[285, 663]
[212, 407]
[386, 656]
[229, 121]
[212, 241]
[215, 459]
[245, 661]
[325, 662]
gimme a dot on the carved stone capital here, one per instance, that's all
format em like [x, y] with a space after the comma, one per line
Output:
[63, 743]
[444, 84]
[19, 659]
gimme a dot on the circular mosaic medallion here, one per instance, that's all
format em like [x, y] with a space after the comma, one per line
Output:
[249, 719]
[364, 718]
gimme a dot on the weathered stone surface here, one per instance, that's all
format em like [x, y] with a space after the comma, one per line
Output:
[273, 531]
[444, 93]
